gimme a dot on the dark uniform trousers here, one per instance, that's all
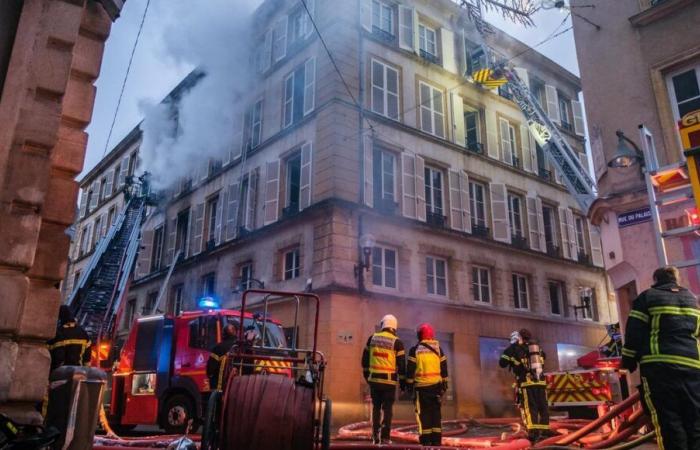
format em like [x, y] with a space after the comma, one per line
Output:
[533, 406]
[383, 396]
[428, 401]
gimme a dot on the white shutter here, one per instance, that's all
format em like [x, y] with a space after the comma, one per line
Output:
[533, 152]
[579, 128]
[369, 171]
[103, 221]
[416, 39]
[172, 234]
[466, 207]
[525, 140]
[220, 207]
[366, 14]
[272, 191]
[197, 229]
[266, 53]
[83, 202]
[109, 183]
[499, 211]
[552, 99]
[408, 181]
[309, 85]
[506, 144]
[407, 28]
[449, 61]
[420, 188]
[533, 223]
[95, 195]
[236, 149]
[565, 243]
[459, 133]
[308, 25]
[305, 185]
[596, 245]
[252, 199]
[143, 264]
[522, 74]
[540, 224]
[124, 171]
[232, 211]
[571, 227]
[456, 216]
[491, 133]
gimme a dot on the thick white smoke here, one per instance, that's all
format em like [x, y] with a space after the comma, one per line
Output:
[214, 36]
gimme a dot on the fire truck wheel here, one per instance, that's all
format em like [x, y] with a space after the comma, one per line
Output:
[178, 411]
[326, 424]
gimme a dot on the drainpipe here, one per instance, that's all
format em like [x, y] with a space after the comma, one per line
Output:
[360, 144]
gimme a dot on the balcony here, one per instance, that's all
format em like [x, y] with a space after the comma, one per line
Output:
[480, 230]
[584, 258]
[435, 219]
[383, 35]
[567, 126]
[291, 210]
[386, 205]
[475, 147]
[519, 241]
[516, 162]
[553, 250]
[429, 57]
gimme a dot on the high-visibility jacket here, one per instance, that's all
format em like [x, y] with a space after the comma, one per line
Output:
[384, 358]
[517, 358]
[217, 363]
[70, 347]
[427, 364]
[663, 328]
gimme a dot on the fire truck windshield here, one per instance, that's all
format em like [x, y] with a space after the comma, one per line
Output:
[274, 335]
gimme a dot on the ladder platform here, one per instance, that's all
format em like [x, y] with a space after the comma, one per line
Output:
[678, 196]
[680, 231]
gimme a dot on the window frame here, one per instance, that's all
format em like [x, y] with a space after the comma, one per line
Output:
[295, 270]
[380, 173]
[476, 128]
[478, 284]
[512, 215]
[212, 206]
[553, 225]
[474, 204]
[247, 268]
[580, 234]
[383, 7]
[432, 262]
[670, 88]
[430, 190]
[383, 267]
[298, 89]
[560, 297]
[157, 248]
[423, 30]
[385, 92]
[295, 156]
[517, 292]
[430, 108]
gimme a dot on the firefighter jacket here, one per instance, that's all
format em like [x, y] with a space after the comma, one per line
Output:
[427, 365]
[216, 365]
[384, 359]
[70, 347]
[663, 328]
[517, 358]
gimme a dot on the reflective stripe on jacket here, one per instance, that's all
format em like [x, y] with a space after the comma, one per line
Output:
[384, 358]
[427, 364]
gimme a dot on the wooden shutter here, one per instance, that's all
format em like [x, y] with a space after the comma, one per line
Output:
[596, 245]
[522, 74]
[573, 237]
[309, 85]
[143, 264]
[456, 215]
[459, 134]
[533, 223]
[408, 183]
[491, 133]
[525, 140]
[252, 199]
[407, 28]
[540, 224]
[272, 191]
[552, 99]
[506, 144]
[420, 188]
[366, 14]
[306, 176]
[83, 202]
[577, 110]
[109, 183]
[466, 206]
[170, 247]
[369, 171]
[95, 195]
[124, 171]
[232, 211]
[220, 208]
[499, 211]
[447, 41]
[565, 242]
[197, 229]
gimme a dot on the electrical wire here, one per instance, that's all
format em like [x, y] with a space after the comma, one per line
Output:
[126, 77]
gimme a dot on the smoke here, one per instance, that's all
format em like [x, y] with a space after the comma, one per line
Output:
[216, 39]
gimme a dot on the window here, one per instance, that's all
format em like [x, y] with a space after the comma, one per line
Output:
[297, 25]
[432, 117]
[555, 297]
[103, 189]
[471, 129]
[513, 146]
[684, 88]
[76, 280]
[293, 183]
[299, 92]
[209, 284]
[210, 224]
[84, 239]
[130, 313]
[538, 91]
[565, 112]
[246, 275]
[587, 299]
[515, 216]
[384, 167]
[385, 90]
[176, 299]
[580, 235]
[157, 250]
[436, 275]
[291, 264]
[433, 191]
[520, 294]
[110, 216]
[132, 163]
[279, 40]
[150, 304]
[382, 17]
[474, 57]
[550, 229]
[477, 203]
[427, 41]
[481, 284]
[253, 125]
[182, 231]
[115, 180]
[384, 267]
[97, 230]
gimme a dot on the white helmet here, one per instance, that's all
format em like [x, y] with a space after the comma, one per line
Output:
[514, 337]
[389, 321]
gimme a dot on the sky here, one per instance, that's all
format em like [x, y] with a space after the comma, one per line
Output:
[153, 73]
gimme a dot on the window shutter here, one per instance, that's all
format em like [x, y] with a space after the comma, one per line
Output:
[197, 229]
[75, 247]
[456, 216]
[552, 99]
[565, 242]
[237, 141]
[420, 188]
[306, 176]
[596, 245]
[540, 224]
[466, 207]
[407, 28]
[83, 202]
[522, 74]
[499, 210]
[95, 195]
[579, 127]
[170, 248]
[458, 119]
[124, 171]
[571, 227]
[408, 181]
[491, 133]
[308, 25]
[109, 183]
[533, 223]
[366, 14]
[103, 221]
[309, 85]
[449, 61]
[266, 53]
[232, 211]
[220, 208]
[143, 264]
[506, 144]
[369, 172]
[272, 191]
[88, 240]
[533, 152]
[525, 140]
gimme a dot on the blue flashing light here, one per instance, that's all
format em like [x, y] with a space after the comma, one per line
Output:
[208, 303]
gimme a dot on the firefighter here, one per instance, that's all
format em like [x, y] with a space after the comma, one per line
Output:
[384, 366]
[525, 359]
[613, 347]
[216, 365]
[662, 338]
[426, 375]
[71, 346]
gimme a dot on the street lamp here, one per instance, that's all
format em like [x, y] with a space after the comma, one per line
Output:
[625, 156]
[367, 243]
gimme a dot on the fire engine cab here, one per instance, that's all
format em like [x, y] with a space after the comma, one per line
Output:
[160, 378]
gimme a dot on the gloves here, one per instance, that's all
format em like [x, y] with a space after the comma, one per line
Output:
[402, 385]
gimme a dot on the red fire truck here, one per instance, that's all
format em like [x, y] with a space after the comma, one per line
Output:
[160, 378]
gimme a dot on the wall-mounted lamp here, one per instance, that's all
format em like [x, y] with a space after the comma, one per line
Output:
[585, 297]
[625, 156]
[367, 243]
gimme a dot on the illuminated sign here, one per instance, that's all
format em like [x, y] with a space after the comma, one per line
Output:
[689, 128]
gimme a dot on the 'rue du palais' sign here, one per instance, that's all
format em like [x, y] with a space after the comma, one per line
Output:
[633, 217]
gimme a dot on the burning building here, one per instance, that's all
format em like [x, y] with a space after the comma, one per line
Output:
[380, 171]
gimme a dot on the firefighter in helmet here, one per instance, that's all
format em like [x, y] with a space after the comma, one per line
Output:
[218, 358]
[661, 337]
[426, 374]
[384, 366]
[71, 346]
[525, 359]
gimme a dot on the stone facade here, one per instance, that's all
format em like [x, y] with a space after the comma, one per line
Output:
[50, 56]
